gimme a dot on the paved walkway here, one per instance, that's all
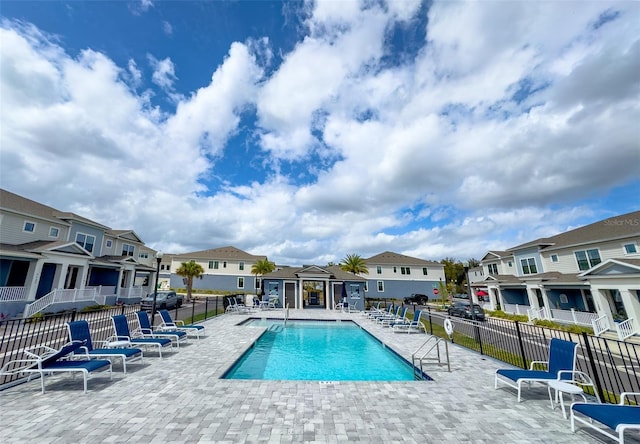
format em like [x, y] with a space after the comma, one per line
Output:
[180, 399]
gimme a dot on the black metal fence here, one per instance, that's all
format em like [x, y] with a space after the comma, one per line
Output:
[614, 366]
[16, 335]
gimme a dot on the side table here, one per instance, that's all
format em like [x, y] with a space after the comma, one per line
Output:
[564, 387]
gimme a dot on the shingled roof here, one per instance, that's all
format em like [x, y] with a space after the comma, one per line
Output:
[228, 253]
[391, 258]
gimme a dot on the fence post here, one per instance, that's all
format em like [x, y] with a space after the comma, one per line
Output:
[122, 309]
[193, 309]
[524, 358]
[430, 320]
[592, 364]
[573, 315]
[206, 307]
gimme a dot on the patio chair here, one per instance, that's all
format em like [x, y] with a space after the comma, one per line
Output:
[414, 325]
[374, 316]
[147, 331]
[619, 417]
[169, 324]
[124, 338]
[562, 357]
[384, 320]
[371, 310]
[399, 318]
[45, 361]
[79, 331]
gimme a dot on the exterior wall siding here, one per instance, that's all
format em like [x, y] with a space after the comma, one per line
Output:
[216, 282]
[528, 254]
[91, 231]
[12, 232]
[567, 262]
[400, 289]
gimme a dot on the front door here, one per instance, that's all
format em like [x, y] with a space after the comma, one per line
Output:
[46, 280]
[290, 294]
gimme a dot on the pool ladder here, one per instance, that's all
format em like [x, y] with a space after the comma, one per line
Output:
[421, 354]
[286, 315]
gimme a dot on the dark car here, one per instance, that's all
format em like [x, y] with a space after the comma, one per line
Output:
[417, 298]
[462, 309]
[164, 299]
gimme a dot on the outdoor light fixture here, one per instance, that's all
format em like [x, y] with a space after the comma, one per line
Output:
[155, 290]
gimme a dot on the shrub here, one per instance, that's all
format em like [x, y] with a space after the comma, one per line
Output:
[511, 317]
[572, 328]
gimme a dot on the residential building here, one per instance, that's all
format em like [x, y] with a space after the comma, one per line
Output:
[591, 273]
[225, 269]
[64, 260]
[394, 275]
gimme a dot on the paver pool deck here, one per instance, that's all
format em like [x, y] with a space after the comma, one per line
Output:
[180, 399]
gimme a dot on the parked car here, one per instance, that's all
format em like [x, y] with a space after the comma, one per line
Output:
[164, 299]
[462, 309]
[417, 298]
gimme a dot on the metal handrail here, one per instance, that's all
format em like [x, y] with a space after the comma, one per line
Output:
[286, 315]
[436, 345]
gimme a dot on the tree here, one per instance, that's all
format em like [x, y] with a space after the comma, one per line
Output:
[262, 267]
[353, 263]
[190, 270]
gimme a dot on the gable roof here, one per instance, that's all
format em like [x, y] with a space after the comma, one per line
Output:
[391, 258]
[618, 227]
[229, 253]
[12, 202]
[125, 234]
[332, 272]
[493, 255]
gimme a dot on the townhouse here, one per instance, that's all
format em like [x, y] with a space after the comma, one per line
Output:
[54, 260]
[394, 275]
[589, 275]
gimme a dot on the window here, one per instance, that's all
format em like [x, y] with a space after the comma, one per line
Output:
[405, 270]
[162, 267]
[240, 282]
[241, 266]
[85, 241]
[425, 271]
[630, 248]
[366, 287]
[509, 264]
[554, 258]
[127, 250]
[143, 255]
[587, 258]
[492, 268]
[381, 286]
[224, 264]
[395, 269]
[53, 232]
[379, 269]
[216, 265]
[29, 227]
[109, 243]
[528, 266]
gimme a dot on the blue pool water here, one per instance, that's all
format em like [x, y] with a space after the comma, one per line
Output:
[318, 351]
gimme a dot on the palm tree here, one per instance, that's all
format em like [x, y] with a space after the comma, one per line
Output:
[190, 270]
[354, 263]
[262, 267]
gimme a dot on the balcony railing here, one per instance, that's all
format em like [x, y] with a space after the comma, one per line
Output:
[13, 294]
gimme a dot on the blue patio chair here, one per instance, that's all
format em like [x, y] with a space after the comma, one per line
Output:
[45, 360]
[169, 324]
[562, 357]
[413, 325]
[619, 417]
[147, 331]
[399, 314]
[79, 331]
[124, 338]
[386, 312]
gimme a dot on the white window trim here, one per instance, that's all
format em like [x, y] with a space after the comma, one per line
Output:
[528, 265]
[108, 243]
[133, 249]
[240, 279]
[24, 226]
[54, 228]
[380, 286]
[624, 248]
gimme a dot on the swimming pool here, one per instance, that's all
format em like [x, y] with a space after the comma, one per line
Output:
[319, 351]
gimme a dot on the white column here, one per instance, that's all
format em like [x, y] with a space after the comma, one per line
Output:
[631, 306]
[533, 297]
[33, 278]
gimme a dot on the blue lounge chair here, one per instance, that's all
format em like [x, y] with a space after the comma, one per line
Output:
[618, 417]
[123, 336]
[148, 332]
[386, 312]
[79, 331]
[169, 324]
[45, 360]
[560, 366]
[414, 325]
[399, 316]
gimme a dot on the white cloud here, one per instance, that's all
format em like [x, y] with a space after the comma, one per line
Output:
[448, 154]
[167, 28]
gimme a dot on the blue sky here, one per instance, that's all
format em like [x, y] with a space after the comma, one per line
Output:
[311, 130]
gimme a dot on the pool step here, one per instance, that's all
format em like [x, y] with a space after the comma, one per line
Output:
[276, 328]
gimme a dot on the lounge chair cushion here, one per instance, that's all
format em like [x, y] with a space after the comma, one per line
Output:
[90, 366]
[128, 352]
[514, 375]
[610, 415]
